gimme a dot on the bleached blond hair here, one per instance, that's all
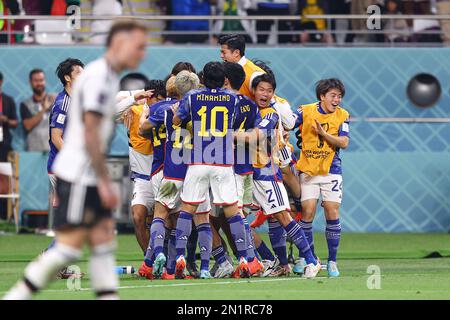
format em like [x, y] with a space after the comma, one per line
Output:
[186, 81]
[171, 89]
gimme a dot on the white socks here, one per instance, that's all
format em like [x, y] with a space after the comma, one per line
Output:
[39, 272]
[104, 279]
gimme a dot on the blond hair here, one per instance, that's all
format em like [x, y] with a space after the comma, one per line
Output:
[171, 89]
[186, 81]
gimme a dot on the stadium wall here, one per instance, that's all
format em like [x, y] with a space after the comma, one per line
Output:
[396, 175]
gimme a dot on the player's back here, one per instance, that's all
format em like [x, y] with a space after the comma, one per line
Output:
[212, 112]
[94, 91]
[159, 135]
[246, 118]
[57, 119]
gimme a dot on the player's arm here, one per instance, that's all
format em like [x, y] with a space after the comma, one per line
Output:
[340, 141]
[126, 99]
[287, 117]
[181, 110]
[57, 125]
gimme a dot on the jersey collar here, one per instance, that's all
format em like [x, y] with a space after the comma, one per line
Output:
[242, 61]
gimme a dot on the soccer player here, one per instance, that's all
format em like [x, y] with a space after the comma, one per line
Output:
[247, 117]
[232, 49]
[268, 188]
[325, 130]
[177, 155]
[85, 191]
[67, 71]
[212, 112]
[141, 158]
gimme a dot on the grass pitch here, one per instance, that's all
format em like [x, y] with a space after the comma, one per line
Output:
[405, 272]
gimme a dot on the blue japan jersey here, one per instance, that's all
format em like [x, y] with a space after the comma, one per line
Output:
[271, 171]
[57, 119]
[158, 134]
[178, 147]
[247, 117]
[212, 112]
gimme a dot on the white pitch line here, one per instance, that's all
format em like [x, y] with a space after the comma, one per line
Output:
[186, 284]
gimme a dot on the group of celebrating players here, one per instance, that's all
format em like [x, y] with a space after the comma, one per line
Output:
[206, 150]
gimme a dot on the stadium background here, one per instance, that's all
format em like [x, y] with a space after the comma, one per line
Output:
[396, 174]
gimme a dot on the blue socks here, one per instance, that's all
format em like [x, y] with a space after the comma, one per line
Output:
[238, 232]
[265, 252]
[333, 235]
[219, 254]
[157, 235]
[295, 232]
[205, 244]
[184, 228]
[191, 246]
[172, 252]
[307, 229]
[277, 236]
[250, 245]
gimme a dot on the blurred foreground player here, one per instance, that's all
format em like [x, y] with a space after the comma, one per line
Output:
[84, 188]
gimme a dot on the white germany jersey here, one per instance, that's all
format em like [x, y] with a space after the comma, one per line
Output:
[94, 90]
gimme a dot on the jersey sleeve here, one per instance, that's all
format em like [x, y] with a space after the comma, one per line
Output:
[268, 124]
[58, 118]
[344, 129]
[94, 95]
[24, 112]
[299, 117]
[157, 117]
[183, 111]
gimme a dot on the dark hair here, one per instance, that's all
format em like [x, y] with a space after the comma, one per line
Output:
[158, 87]
[234, 42]
[1, 76]
[264, 78]
[34, 71]
[213, 75]
[65, 68]
[325, 85]
[126, 83]
[123, 26]
[200, 76]
[182, 65]
[235, 74]
[265, 66]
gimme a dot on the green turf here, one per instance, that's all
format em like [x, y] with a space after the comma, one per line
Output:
[405, 274]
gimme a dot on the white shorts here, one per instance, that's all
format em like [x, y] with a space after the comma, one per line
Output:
[271, 196]
[328, 186]
[156, 181]
[169, 195]
[143, 193]
[244, 185]
[200, 178]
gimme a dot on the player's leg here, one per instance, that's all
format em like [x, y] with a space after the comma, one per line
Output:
[205, 241]
[104, 279]
[70, 238]
[141, 204]
[194, 192]
[332, 197]
[171, 250]
[273, 198]
[277, 236]
[310, 195]
[191, 248]
[167, 199]
[225, 194]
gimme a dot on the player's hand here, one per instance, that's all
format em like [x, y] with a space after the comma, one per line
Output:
[127, 117]
[3, 118]
[108, 195]
[48, 101]
[174, 107]
[318, 129]
[143, 95]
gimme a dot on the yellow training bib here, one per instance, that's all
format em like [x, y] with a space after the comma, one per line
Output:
[317, 154]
